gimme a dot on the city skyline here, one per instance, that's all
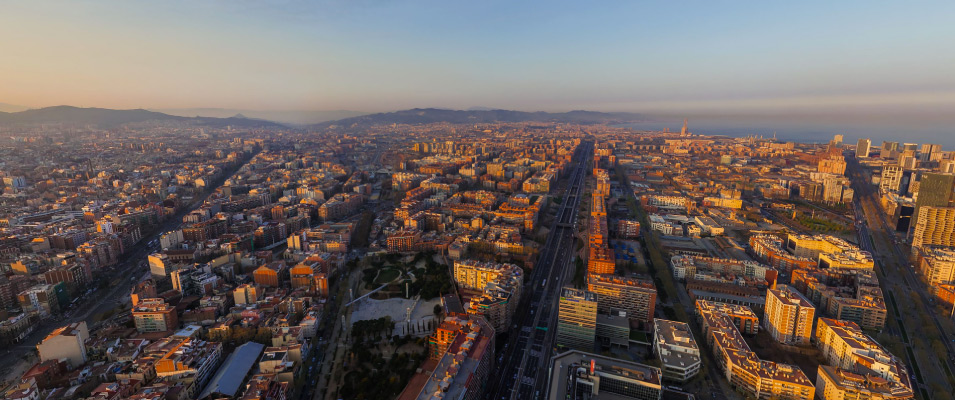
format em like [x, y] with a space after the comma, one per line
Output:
[424, 200]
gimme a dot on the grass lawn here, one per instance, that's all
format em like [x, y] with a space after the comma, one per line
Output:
[386, 275]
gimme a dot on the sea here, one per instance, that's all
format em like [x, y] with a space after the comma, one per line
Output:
[808, 130]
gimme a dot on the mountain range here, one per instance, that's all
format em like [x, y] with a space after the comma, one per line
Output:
[287, 117]
[431, 115]
[108, 118]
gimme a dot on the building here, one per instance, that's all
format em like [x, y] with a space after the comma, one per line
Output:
[936, 265]
[500, 288]
[576, 319]
[934, 226]
[851, 295]
[674, 345]
[40, 299]
[67, 342]
[301, 276]
[403, 241]
[834, 383]
[809, 251]
[742, 317]
[788, 316]
[194, 280]
[160, 265]
[930, 152]
[859, 368]
[832, 165]
[185, 359]
[578, 375]
[154, 315]
[463, 368]
[863, 147]
[613, 329]
[770, 249]
[234, 371]
[745, 371]
[628, 229]
[601, 261]
[247, 294]
[891, 180]
[272, 274]
[637, 297]
[935, 190]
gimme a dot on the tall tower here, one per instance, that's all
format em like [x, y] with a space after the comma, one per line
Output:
[683, 132]
[577, 319]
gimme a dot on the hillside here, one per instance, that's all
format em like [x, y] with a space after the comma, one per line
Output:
[108, 118]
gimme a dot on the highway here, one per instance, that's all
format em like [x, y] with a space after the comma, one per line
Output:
[523, 367]
[873, 223]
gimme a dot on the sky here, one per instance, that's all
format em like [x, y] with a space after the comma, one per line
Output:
[864, 59]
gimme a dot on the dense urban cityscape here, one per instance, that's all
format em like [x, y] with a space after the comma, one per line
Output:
[527, 260]
[493, 200]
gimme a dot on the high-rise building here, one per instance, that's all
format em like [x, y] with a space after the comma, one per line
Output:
[577, 375]
[577, 319]
[890, 146]
[863, 147]
[837, 140]
[930, 152]
[635, 296]
[891, 179]
[934, 226]
[935, 190]
[788, 316]
[908, 161]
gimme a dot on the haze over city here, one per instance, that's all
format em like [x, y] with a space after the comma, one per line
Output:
[854, 59]
[425, 200]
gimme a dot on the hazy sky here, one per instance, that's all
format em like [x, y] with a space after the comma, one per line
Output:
[768, 57]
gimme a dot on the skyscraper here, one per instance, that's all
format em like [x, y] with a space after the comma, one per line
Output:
[837, 140]
[863, 148]
[935, 190]
[930, 152]
[577, 319]
[683, 131]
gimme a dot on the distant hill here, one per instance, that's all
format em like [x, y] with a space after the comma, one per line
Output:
[107, 118]
[432, 115]
[290, 117]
